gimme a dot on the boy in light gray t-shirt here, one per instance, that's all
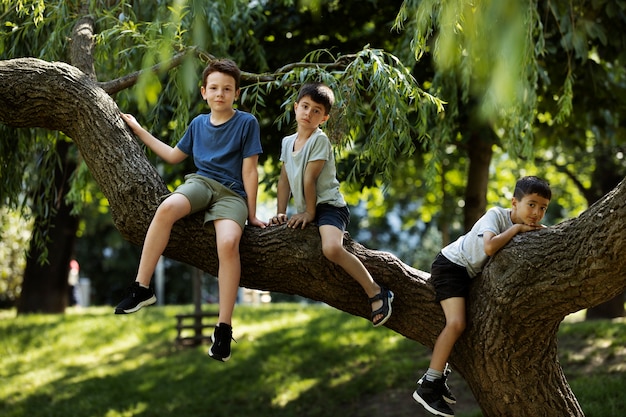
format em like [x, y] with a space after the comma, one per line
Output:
[309, 174]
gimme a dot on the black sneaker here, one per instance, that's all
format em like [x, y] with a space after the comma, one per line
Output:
[430, 395]
[447, 393]
[220, 350]
[137, 297]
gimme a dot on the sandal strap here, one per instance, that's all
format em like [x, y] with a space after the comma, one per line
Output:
[385, 310]
[384, 293]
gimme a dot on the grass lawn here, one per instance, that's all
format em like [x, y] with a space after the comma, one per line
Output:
[290, 360]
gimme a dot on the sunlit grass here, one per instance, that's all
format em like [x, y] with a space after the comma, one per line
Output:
[289, 360]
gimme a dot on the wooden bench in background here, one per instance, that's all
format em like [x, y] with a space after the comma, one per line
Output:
[194, 324]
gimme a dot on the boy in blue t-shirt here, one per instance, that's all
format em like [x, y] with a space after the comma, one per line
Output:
[455, 266]
[225, 145]
[309, 175]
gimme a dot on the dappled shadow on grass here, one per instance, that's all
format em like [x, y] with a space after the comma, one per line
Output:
[593, 357]
[288, 361]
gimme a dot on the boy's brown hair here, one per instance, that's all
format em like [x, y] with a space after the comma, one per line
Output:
[319, 93]
[531, 185]
[226, 66]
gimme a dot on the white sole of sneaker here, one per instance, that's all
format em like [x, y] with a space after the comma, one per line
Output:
[428, 408]
[214, 356]
[145, 303]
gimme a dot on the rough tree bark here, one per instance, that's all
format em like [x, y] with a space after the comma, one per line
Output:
[508, 354]
[45, 288]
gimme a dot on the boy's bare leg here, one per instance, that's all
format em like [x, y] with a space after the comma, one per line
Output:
[228, 235]
[332, 247]
[454, 310]
[173, 208]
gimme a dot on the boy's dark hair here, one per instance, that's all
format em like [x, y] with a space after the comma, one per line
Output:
[319, 93]
[226, 66]
[531, 185]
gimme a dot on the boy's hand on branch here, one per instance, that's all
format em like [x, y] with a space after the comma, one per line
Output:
[300, 219]
[131, 121]
[530, 227]
[279, 219]
[257, 222]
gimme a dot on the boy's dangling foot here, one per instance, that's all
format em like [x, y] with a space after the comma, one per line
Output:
[220, 350]
[138, 296]
[431, 395]
[382, 314]
[448, 396]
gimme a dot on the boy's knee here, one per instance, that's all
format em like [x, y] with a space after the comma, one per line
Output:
[457, 325]
[332, 252]
[165, 211]
[228, 244]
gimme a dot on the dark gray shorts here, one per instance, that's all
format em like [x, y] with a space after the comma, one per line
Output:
[327, 214]
[450, 280]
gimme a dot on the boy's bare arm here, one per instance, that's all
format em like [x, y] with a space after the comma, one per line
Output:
[283, 192]
[171, 155]
[311, 173]
[282, 198]
[493, 243]
[251, 185]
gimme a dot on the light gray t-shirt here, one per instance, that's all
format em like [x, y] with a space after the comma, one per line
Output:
[469, 249]
[316, 148]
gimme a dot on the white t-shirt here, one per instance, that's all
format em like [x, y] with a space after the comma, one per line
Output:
[316, 148]
[469, 249]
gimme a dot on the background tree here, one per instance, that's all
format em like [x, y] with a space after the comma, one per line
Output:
[557, 100]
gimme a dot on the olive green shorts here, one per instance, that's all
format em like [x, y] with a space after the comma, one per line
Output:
[219, 201]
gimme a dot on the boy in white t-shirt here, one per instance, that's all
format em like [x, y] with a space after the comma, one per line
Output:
[462, 260]
[309, 174]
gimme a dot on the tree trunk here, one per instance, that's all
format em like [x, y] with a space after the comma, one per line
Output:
[604, 180]
[508, 354]
[480, 152]
[45, 286]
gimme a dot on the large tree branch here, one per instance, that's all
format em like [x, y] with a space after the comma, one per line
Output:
[515, 307]
[65, 99]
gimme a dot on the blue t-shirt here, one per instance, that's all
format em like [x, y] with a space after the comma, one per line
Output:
[218, 151]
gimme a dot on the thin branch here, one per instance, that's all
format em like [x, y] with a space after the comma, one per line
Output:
[341, 63]
[127, 81]
[114, 86]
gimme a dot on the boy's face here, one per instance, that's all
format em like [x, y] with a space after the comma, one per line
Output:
[219, 92]
[529, 210]
[309, 114]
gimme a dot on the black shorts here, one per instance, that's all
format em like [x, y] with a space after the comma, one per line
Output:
[450, 280]
[327, 214]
